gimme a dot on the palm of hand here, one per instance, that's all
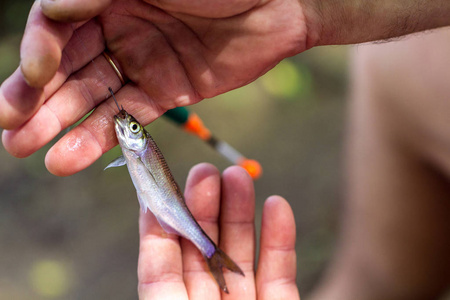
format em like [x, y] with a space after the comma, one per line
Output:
[186, 57]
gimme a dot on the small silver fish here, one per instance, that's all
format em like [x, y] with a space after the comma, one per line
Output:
[158, 192]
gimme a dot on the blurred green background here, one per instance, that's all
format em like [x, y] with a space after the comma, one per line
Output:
[77, 237]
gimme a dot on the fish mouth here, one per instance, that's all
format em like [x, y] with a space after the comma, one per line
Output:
[121, 115]
[120, 122]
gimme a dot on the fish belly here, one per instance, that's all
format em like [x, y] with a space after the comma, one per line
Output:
[176, 218]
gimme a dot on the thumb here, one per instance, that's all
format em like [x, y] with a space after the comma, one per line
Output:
[73, 10]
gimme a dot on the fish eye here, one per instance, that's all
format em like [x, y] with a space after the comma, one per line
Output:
[134, 127]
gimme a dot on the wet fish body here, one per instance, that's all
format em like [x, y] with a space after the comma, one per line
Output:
[158, 192]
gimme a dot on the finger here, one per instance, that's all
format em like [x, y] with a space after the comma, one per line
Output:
[160, 269]
[219, 58]
[73, 10]
[86, 43]
[178, 35]
[40, 56]
[237, 234]
[19, 101]
[203, 199]
[82, 92]
[277, 265]
[205, 8]
[41, 47]
[84, 144]
[147, 56]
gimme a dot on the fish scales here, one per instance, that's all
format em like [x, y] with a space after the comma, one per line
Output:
[158, 192]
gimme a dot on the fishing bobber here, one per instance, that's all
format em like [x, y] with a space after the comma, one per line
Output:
[192, 123]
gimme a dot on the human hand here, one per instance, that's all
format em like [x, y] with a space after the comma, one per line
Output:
[173, 55]
[172, 268]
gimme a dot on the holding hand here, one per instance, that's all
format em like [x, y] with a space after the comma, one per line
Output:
[172, 268]
[171, 54]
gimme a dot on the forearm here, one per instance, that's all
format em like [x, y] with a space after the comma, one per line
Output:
[333, 22]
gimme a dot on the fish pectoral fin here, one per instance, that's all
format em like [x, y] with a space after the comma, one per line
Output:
[143, 203]
[167, 228]
[149, 171]
[154, 179]
[118, 162]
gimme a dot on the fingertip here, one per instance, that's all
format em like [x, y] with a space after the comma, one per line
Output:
[10, 146]
[73, 10]
[18, 101]
[40, 61]
[202, 191]
[237, 173]
[238, 189]
[202, 170]
[274, 201]
[54, 163]
[9, 121]
[72, 153]
[202, 178]
[6, 144]
[278, 222]
[39, 67]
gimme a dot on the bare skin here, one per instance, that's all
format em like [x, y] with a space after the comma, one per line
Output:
[170, 59]
[395, 240]
[172, 268]
[175, 53]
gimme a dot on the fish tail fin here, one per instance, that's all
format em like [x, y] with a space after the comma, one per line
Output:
[216, 262]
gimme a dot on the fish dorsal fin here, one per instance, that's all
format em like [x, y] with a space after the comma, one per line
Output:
[118, 162]
[143, 203]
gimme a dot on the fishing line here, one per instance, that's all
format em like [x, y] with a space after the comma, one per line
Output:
[102, 77]
[114, 97]
[191, 122]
